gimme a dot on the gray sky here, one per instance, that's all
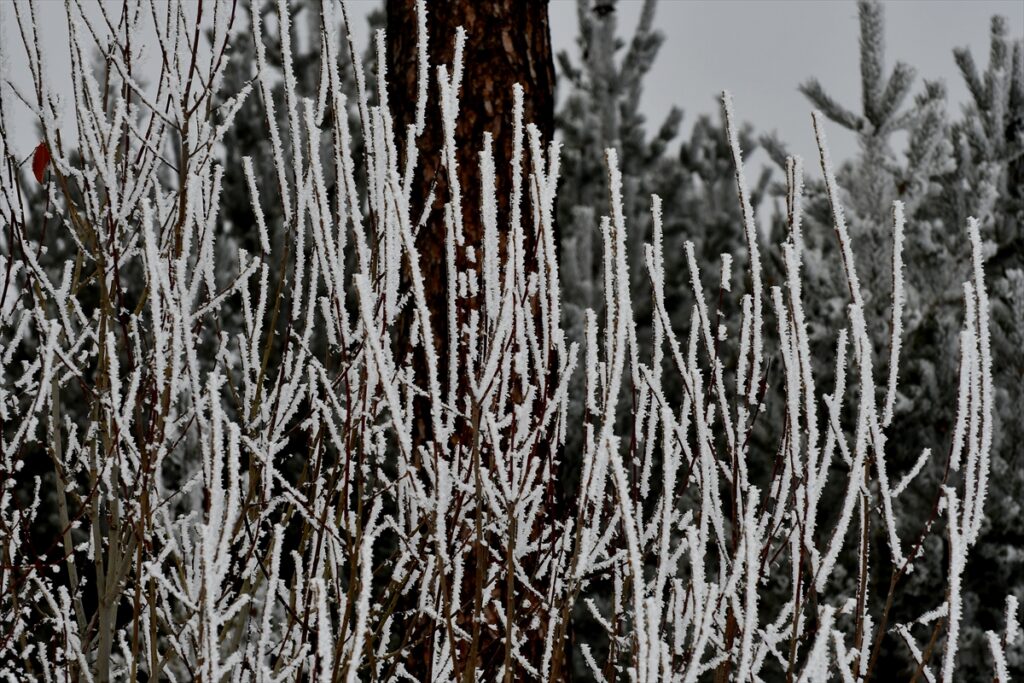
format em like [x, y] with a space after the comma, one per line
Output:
[759, 49]
[762, 50]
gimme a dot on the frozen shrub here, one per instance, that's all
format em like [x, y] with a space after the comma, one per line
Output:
[244, 499]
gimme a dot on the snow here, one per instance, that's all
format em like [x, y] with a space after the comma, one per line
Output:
[281, 488]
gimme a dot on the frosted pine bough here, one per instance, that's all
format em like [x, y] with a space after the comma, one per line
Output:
[187, 545]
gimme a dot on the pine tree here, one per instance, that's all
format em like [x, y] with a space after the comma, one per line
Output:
[989, 183]
[950, 170]
[696, 181]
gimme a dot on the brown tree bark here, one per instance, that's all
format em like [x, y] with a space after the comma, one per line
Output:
[507, 43]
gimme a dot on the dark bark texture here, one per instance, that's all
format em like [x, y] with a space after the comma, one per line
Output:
[507, 42]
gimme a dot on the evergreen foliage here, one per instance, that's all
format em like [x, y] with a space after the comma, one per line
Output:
[951, 169]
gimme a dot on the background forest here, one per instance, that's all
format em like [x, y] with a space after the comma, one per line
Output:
[954, 164]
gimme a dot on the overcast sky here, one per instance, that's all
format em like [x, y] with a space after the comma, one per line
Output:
[761, 50]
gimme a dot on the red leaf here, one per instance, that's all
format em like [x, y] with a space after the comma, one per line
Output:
[40, 160]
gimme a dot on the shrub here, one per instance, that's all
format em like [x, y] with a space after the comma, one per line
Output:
[195, 493]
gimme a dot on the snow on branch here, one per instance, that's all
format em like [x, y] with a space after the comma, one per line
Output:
[241, 443]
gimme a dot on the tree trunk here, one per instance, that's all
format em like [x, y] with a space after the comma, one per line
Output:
[507, 43]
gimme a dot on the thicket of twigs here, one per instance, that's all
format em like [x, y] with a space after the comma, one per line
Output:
[212, 468]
